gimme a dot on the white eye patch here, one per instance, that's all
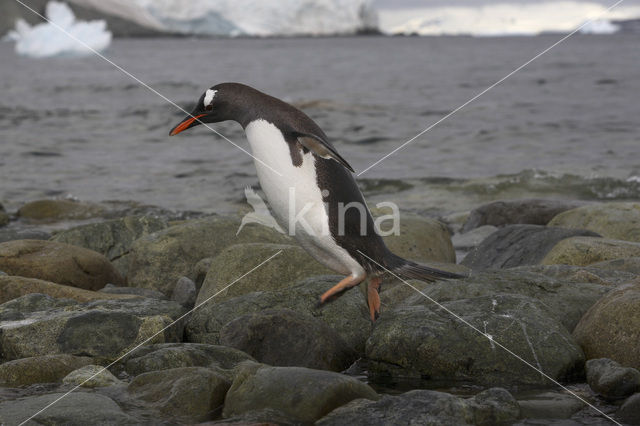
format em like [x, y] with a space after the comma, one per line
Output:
[208, 97]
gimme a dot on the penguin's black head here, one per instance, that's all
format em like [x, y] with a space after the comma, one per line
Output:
[212, 107]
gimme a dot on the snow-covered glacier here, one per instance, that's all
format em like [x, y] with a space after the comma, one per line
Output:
[507, 18]
[49, 38]
[244, 17]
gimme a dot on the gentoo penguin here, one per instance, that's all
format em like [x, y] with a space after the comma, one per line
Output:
[304, 177]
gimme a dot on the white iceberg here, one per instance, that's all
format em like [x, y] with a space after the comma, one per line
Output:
[47, 39]
[244, 17]
[599, 26]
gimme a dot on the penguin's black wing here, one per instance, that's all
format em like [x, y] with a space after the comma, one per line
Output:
[320, 146]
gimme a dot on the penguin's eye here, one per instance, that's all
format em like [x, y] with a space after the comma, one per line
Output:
[208, 107]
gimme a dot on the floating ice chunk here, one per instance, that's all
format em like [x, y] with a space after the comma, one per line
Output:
[599, 26]
[48, 39]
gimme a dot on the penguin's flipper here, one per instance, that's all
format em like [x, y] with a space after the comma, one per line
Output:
[322, 148]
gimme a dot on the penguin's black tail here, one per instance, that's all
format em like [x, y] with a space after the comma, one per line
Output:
[407, 269]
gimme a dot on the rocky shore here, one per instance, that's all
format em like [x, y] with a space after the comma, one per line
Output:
[84, 286]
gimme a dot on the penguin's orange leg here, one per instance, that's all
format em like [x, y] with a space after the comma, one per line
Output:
[373, 297]
[344, 285]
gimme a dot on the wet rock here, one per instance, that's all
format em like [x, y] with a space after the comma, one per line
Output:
[518, 245]
[581, 274]
[133, 291]
[630, 264]
[175, 355]
[160, 259]
[618, 221]
[588, 250]
[200, 271]
[530, 211]
[184, 292]
[473, 238]
[39, 369]
[566, 299]
[300, 393]
[91, 376]
[4, 219]
[422, 342]
[426, 407]
[14, 287]
[611, 327]
[348, 315]
[290, 266]
[10, 234]
[610, 379]
[103, 329]
[112, 238]
[287, 338]
[59, 263]
[266, 416]
[23, 306]
[189, 394]
[421, 239]
[76, 408]
[630, 411]
[549, 405]
[47, 211]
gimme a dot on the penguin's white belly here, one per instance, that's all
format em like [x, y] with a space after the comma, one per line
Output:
[295, 198]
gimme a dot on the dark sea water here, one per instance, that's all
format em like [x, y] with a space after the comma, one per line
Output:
[566, 126]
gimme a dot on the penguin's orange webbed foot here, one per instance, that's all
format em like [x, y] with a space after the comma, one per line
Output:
[339, 289]
[373, 297]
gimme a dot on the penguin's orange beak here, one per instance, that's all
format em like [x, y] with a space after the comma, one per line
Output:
[185, 124]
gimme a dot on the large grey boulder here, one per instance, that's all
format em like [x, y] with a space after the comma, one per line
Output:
[39, 369]
[158, 260]
[630, 410]
[549, 405]
[288, 338]
[103, 329]
[532, 211]
[616, 220]
[303, 394]
[11, 234]
[610, 379]
[12, 287]
[567, 297]
[518, 245]
[348, 315]
[60, 263]
[425, 342]
[582, 251]
[75, 409]
[166, 356]
[112, 238]
[290, 266]
[48, 211]
[188, 394]
[611, 327]
[595, 274]
[629, 264]
[426, 407]
[91, 376]
[420, 239]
